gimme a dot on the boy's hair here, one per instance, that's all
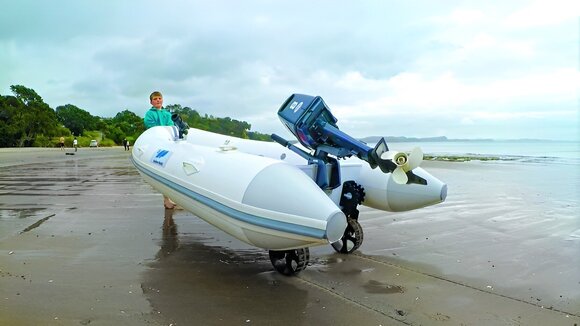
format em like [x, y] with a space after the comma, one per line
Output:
[154, 94]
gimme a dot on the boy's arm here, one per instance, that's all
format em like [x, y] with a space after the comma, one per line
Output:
[168, 121]
[149, 120]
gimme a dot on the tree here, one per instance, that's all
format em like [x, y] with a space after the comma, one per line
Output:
[9, 124]
[25, 120]
[32, 116]
[129, 123]
[76, 119]
[25, 95]
[174, 108]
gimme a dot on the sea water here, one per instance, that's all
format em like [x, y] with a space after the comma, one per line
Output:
[566, 152]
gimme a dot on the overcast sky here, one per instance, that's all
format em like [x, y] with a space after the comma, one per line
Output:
[462, 69]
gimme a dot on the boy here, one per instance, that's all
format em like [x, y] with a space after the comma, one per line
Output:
[158, 116]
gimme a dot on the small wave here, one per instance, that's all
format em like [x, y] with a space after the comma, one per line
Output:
[466, 157]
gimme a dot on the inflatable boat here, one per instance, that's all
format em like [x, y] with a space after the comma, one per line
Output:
[284, 196]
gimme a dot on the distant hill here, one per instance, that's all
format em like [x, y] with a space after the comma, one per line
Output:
[395, 139]
[374, 139]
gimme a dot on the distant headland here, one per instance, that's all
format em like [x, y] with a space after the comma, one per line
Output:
[402, 139]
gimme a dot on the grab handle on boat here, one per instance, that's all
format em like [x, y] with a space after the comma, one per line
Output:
[279, 140]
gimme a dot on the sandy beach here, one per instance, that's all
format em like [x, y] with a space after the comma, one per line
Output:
[85, 241]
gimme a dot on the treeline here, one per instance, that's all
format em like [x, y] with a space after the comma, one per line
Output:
[26, 121]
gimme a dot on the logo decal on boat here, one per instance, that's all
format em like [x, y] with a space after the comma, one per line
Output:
[295, 106]
[161, 157]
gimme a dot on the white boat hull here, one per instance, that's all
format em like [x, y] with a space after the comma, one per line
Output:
[264, 202]
[381, 191]
[263, 193]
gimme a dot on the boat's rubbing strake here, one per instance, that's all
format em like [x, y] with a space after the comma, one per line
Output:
[234, 213]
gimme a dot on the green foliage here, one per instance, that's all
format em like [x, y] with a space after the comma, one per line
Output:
[24, 116]
[115, 133]
[42, 141]
[96, 135]
[62, 131]
[224, 126]
[129, 122]
[10, 127]
[25, 120]
[75, 119]
[258, 136]
[107, 143]
[25, 95]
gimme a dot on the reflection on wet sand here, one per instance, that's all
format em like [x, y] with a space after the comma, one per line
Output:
[201, 276]
[194, 282]
[169, 239]
[37, 224]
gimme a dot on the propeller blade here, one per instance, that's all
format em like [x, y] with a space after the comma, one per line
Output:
[399, 158]
[399, 176]
[415, 159]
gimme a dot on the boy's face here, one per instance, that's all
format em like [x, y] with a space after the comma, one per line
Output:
[157, 102]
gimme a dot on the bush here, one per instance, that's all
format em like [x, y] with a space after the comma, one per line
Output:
[107, 143]
[97, 135]
[43, 141]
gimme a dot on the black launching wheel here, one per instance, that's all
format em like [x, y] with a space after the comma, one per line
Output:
[352, 196]
[352, 238]
[290, 262]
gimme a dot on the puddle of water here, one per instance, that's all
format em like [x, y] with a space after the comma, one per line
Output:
[19, 213]
[37, 224]
[377, 287]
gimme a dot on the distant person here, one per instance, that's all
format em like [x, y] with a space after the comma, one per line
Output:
[128, 145]
[125, 144]
[75, 144]
[61, 143]
[158, 116]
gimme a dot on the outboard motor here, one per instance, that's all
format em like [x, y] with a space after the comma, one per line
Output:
[309, 119]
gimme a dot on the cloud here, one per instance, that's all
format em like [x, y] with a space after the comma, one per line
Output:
[463, 17]
[543, 13]
[414, 68]
[412, 96]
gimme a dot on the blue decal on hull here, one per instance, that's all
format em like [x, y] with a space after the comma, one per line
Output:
[161, 157]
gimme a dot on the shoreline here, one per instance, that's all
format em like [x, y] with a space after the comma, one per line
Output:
[35, 155]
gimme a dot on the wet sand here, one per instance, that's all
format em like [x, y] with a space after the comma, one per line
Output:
[83, 240]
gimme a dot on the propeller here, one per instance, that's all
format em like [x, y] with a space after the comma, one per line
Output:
[404, 163]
